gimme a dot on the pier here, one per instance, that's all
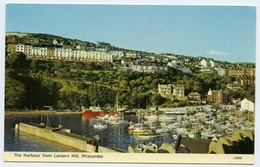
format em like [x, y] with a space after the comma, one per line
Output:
[85, 144]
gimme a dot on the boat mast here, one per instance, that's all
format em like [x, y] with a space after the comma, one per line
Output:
[41, 118]
[60, 121]
[117, 103]
[48, 121]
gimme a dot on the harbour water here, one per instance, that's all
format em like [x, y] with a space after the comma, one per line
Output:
[113, 135]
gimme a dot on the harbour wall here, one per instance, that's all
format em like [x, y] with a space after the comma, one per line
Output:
[70, 139]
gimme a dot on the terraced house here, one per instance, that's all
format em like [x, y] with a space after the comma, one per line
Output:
[64, 52]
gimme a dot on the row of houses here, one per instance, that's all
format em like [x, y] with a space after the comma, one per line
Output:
[134, 60]
[65, 52]
[235, 71]
[60, 53]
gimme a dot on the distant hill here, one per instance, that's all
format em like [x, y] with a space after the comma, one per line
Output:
[246, 63]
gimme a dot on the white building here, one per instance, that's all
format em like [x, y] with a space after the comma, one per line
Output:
[66, 52]
[247, 105]
[116, 53]
[20, 48]
[40, 52]
[58, 53]
[185, 69]
[204, 63]
[147, 66]
[221, 71]
[170, 64]
[178, 61]
[81, 54]
[27, 49]
[213, 64]
[80, 47]
[98, 56]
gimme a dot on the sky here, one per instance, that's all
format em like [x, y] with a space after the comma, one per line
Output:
[220, 32]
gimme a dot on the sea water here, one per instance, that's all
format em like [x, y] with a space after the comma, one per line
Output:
[112, 136]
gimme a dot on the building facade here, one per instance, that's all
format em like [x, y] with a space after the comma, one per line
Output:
[148, 66]
[171, 90]
[247, 105]
[219, 96]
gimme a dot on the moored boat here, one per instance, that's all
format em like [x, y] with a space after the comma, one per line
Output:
[148, 136]
[92, 111]
[100, 126]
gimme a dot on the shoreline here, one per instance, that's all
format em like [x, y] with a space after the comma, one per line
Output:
[9, 113]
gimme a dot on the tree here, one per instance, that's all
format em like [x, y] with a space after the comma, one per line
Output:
[15, 93]
[34, 66]
[16, 60]
[250, 93]
[57, 65]
[123, 84]
[157, 100]
[79, 65]
[197, 87]
[147, 80]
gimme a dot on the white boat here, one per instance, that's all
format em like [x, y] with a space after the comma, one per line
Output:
[152, 117]
[100, 126]
[182, 131]
[148, 136]
[104, 118]
[140, 131]
[175, 136]
[162, 130]
[174, 125]
[141, 147]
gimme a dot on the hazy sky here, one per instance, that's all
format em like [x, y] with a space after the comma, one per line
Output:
[219, 32]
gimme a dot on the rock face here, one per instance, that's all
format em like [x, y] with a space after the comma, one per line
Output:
[241, 142]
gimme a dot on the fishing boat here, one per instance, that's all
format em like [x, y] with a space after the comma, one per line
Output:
[92, 111]
[144, 133]
[140, 131]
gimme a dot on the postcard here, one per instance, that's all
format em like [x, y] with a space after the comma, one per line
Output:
[130, 83]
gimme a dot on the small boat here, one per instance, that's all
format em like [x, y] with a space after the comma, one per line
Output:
[63, 128]
[162, 130]
[175, 136]
[140, 131]
[143, 146]
[100, 126]
[148, 136]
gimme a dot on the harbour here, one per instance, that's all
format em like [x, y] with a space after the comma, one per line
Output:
[114, 136]
[136, 132]
[66, 138]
